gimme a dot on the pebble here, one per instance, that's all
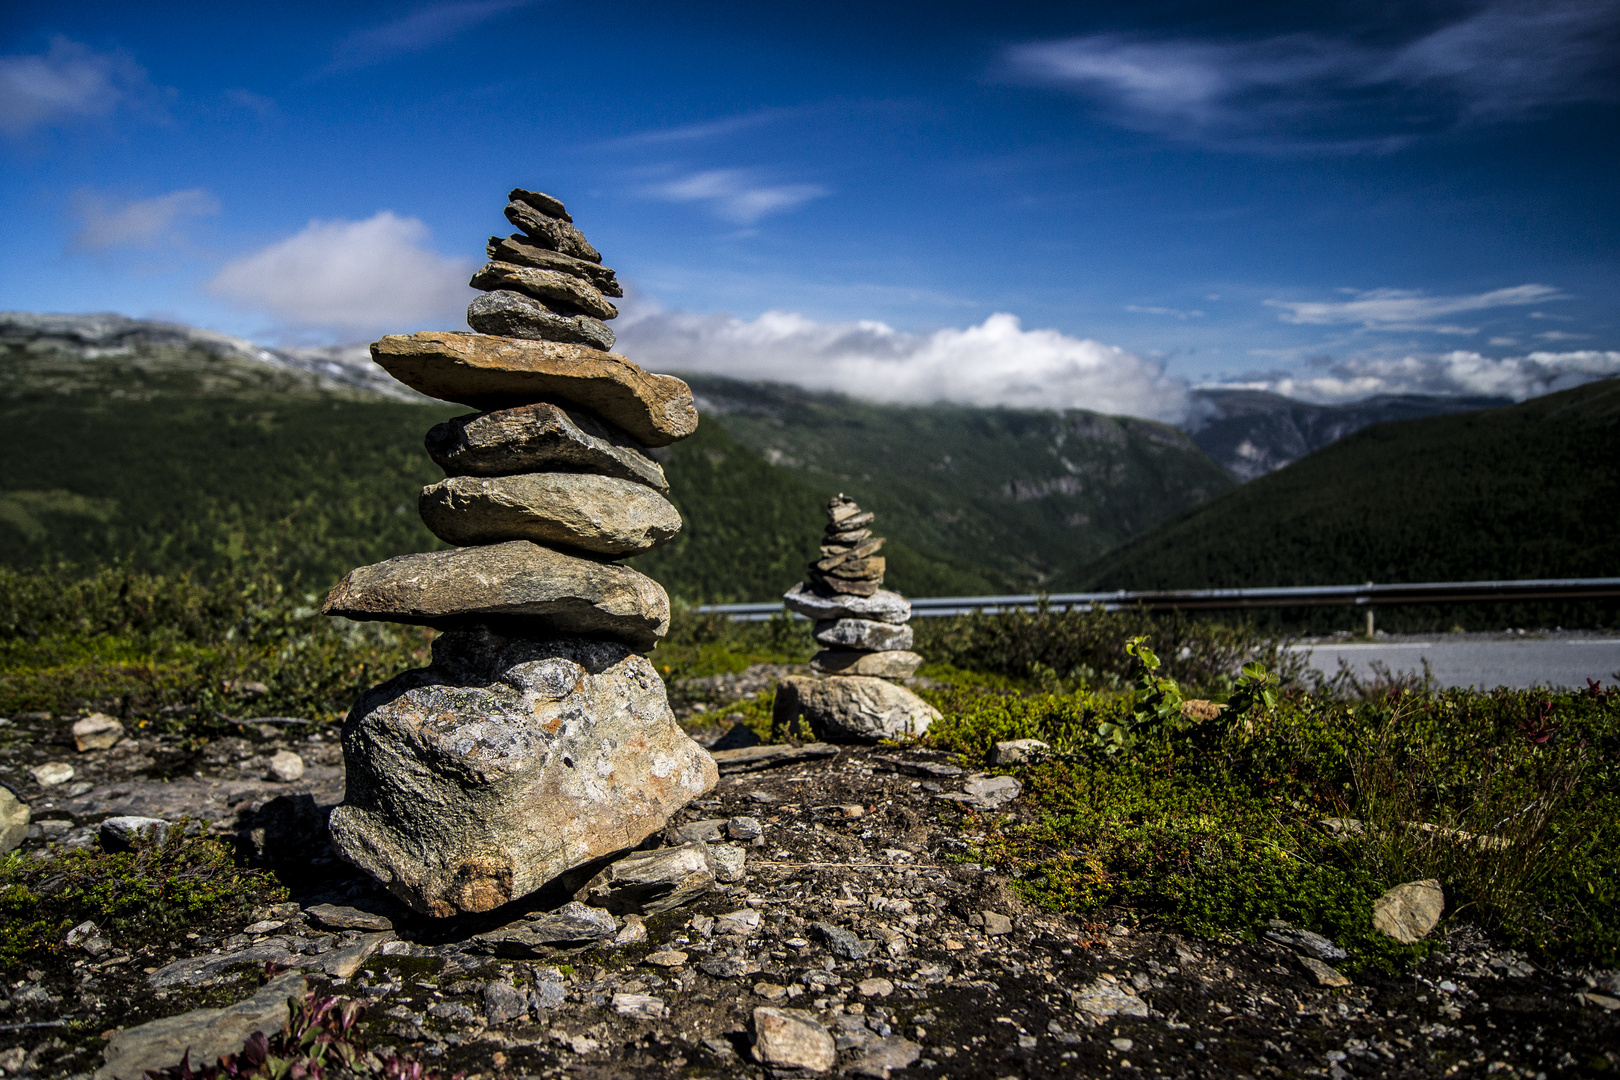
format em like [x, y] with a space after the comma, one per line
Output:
[634, 930]
[263, 927]
[770, 991]
[738, 922]
[668, 958]
[98, 731]
[743, 828]
[286, 766]
[51, 774]
[995, 925]
[875, 987]
[792, 1039]
[339, 917]
[1122, 1045]
[641, 1006]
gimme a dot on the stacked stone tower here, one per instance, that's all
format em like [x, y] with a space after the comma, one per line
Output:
[540, 739]
[867, 642]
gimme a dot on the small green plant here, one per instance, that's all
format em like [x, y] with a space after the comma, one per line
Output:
[1159, 710]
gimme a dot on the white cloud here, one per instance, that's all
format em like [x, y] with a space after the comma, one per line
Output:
[1455, 373]
[108, 223]
[351, 278]
[997, 362]
[1294, 92]
[737, 195]
[1175, 313]
[1405, 309]
[69, 82]
[422, 29]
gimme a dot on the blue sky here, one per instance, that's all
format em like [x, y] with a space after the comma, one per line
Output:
[1031, 204]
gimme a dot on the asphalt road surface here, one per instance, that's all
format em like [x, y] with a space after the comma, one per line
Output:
[1482, 661]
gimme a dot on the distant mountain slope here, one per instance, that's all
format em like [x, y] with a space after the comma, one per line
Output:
[186, 451]
[1253, 432]
[1035, 495]
[1527, 491]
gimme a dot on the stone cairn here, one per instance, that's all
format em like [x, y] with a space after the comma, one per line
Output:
[867, 642]
[540, 739]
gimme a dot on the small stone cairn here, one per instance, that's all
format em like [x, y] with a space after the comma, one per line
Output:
[863, 627]
[540, 739]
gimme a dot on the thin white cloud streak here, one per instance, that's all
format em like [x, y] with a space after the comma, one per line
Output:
[1457, 373]
[349, 278]
[997, 362]
[1305, 92]
[736, 195]
[1406, 309]
[1174, 313]
[68, 83]
[706, 130]
[422, 29]
[139, 223]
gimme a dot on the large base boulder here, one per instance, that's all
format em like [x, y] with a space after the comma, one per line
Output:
[506, 763]
[851, 708]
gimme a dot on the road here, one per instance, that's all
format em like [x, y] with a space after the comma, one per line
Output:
[1482, 661]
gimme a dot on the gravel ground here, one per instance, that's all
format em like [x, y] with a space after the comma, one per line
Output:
[855, 908]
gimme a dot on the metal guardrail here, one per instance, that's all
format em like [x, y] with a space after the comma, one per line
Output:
[1366, 595]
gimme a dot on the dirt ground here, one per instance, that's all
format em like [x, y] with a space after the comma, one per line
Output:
[856, 907]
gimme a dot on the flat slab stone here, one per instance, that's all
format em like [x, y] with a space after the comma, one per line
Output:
[745, 759]
[845, 586]
[551, 287]
[539, 438]
[865, 634]
[851, 708]
[511, 314]
[519, 249]
[881, 606]
[890, 664]
[557, 234]
[497, 372]
[518, 581]
[506, 763]
[209, 1034]
[601, 514]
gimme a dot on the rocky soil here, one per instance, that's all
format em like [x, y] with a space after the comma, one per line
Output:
[881, 950]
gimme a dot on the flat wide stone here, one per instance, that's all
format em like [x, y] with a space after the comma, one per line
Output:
[497, 372]
[510, 314]
[595, 513]
[881, 606]
[891, 664]
[208, 1034]
[851, 708]
[539, 438]
[517, 248]
[558, 291]
[506, 763]
[863, 634]
[519, 582]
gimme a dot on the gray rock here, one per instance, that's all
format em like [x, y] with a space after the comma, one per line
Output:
[503, 1002]
[550, 232]
[987, 792]
[1106, 998]
[286, 767]
[1330, 977]
[730, 967]
[995, 924]
[499, 372]
[792, 1039]
[746, 759]
[572, 924]
[743, 828]
[517, 248]
[639, 1006]
[340, 917]
[52, 773]
[343, 962]
[863, 634]
[520, 582]
[510, 314]
[14, 818]
[506, 763]
[560, 293]
[549, 205]
[1408, 912]
[195, 970]
[843, 586]
[841, 942]
[98, 731]
[648, 882]
[1303, 940]
[851, 708]
[706, 831]
[889, 664]
[87, 936]
[881, 606]
[121, 833]
[208, 1034]
[1017, 751]
[549, 990]
[539, 438]
[880, 1056]
[729, 862]
[600, 514]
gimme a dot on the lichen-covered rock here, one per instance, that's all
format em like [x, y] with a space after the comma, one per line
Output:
[600, 514]
[506, 763]
[851, 708]
[538, 438]
[542, 590]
